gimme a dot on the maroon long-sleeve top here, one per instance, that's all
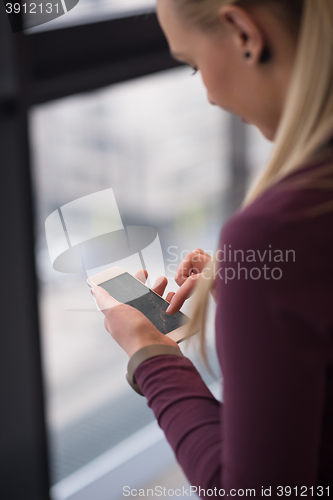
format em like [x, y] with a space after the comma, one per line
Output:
[274, 329]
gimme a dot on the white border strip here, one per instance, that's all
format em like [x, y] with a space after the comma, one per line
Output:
[115, 457]
[102, 465]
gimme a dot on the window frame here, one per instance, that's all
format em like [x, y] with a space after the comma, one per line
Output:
[65, 61]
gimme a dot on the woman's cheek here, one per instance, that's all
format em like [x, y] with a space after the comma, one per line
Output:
[210, 86]
[216, 86]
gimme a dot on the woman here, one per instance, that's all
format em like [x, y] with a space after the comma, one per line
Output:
[271, 63]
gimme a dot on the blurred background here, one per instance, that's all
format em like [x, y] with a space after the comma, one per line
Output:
[91, 101]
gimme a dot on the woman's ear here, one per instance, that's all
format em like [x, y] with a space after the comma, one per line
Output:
[244, 28]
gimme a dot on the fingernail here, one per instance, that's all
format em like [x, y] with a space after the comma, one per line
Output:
[158, 281]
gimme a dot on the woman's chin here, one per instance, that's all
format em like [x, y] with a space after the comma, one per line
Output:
[268, 133]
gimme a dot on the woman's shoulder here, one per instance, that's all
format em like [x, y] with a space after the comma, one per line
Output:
[280, 249]
[299, 205]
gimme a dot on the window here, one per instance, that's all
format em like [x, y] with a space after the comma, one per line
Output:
[150, 140]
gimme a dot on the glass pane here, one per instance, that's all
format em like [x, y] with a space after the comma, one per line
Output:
[154, 149]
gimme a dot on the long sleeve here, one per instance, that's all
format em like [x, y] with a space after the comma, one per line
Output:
[275, 347]
[274, 341]
[188, 414]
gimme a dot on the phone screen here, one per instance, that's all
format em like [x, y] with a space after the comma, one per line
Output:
[128, 290]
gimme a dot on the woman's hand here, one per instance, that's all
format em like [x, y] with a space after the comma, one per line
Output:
[128, 326]
[187, 275]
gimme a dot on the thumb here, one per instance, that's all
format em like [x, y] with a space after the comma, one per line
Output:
[103, 298]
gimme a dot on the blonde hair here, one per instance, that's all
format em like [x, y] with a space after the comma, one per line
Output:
[307, 121]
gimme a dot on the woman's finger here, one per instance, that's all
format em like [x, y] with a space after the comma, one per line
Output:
[160, 285]
[104, 299]
[194, 262]
[169, 296]
[184, 269]
[141, 275]
[184, 292]
[199, 250]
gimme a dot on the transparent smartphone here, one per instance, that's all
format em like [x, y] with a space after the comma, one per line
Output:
[127, 289]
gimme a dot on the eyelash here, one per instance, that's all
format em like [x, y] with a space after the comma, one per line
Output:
[195, 71]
